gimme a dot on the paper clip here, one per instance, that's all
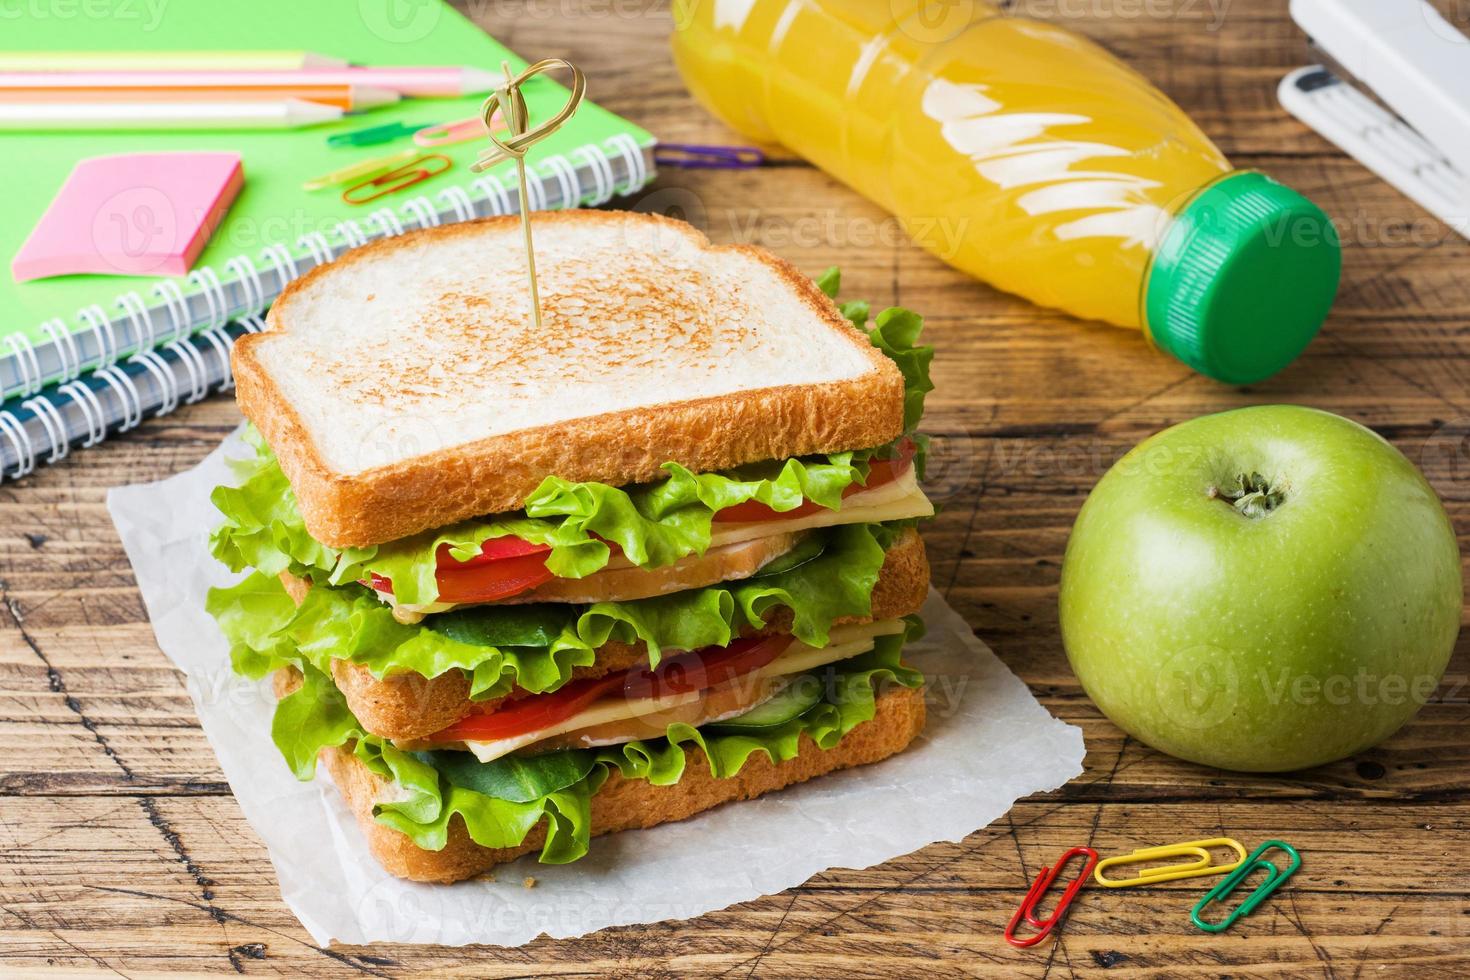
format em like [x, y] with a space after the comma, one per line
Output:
[1197, 849]
[695, 156]
[1274, 878]
[459, 131]
[414, 172]
[364, 168]
[371, 136]
[1039, 888]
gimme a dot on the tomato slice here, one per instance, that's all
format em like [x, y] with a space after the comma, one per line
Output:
[880, 471]
[493, 550]
[498, 579]
[532, 713]
[687, 672]
[704, 669]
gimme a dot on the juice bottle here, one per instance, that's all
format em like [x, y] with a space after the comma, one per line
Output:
[1027, 156]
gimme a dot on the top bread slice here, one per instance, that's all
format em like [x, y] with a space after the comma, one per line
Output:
[403, 387]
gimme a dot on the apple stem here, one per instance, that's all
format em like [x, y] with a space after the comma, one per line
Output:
[1252, 496]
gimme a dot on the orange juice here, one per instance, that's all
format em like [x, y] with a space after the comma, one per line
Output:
[1029, 157]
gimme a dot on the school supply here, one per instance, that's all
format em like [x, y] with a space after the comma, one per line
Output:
[695, 156]
[1044, 880]
[66, 329]
[215, 60]
[352, 98]
[1198, 850]
[165, 117]
[435, 81]
[1030, 157]
[1275, 878]
[1201, 864]
[138, 214]
[447, 134]
[359, 170]
[373, 135]
[416, 171]
[1414, 60]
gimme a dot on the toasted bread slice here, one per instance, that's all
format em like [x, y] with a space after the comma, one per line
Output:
[410, 706]
[404, 387]
[627, 804]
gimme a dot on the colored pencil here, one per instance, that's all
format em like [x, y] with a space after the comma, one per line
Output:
[348, 97]
[77, 116]
[165, 60]
[431, 81]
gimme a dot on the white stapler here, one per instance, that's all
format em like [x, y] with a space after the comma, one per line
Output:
[1418, 64]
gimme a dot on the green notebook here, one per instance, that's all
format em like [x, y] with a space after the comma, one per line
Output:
[595, 155]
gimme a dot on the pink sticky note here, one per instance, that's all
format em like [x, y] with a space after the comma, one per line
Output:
[136, 214]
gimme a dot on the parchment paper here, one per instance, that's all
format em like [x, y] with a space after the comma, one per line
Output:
[987, 743]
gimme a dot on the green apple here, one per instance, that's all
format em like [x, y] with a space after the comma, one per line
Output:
[1265, 589]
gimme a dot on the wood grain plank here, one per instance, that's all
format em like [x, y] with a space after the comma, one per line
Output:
[121, 850]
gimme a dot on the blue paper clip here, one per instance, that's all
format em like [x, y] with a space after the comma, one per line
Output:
[1274, 879]
[372, 136]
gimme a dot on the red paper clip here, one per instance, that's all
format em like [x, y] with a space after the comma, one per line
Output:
[1039, 888]
[395, 180]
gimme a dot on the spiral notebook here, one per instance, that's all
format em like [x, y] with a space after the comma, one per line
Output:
[82, 357]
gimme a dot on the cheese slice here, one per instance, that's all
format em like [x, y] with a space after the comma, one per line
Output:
[896, 501]
[844, 642]
[899, 500]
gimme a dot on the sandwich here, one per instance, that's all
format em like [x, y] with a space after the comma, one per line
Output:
[516, 588]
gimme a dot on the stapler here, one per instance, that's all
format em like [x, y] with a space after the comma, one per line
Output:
[1412, 124]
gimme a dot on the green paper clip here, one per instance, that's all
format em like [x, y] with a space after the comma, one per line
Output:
[372, 136]
[1274, 878]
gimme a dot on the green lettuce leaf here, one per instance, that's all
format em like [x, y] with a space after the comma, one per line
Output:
[654, 524]
[537, 647]
[503, 801]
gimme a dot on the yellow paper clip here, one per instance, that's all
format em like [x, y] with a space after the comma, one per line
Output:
[364, 168]
[1196, 849]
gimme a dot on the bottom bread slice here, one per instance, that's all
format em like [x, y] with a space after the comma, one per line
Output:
[628, 804]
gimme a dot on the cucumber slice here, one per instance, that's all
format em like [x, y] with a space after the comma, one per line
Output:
[809, 548]
[793, 700]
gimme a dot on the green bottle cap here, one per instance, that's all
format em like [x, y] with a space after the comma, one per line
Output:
[1243, 279]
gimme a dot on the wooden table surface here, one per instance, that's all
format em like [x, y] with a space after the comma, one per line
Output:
[124, 852]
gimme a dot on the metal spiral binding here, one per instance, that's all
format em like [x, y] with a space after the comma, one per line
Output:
[632, 154]
[495, 193]
[283, 264]
[85, 399]
[248, 276]
[604, 184]
[207, 281]
[222, 344]
[53, 423]
[386, 220]
[101, 326]
[566, 177]
[138, 316]
[178, 308]
[535, 190]
[455, 197]
[117, 379]
[158, 367]
[25, 452]
[30, 379]
[66, 346]
[422, 211]
[316, 243]
[193, 362]
[350, 232]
